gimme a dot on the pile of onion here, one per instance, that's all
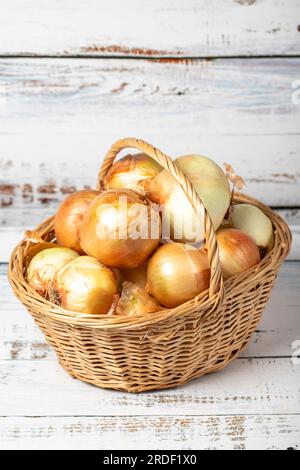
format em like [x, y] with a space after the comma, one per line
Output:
[177, 273]
[85, 285]
[121, 229]
[118, 231]
[159, 186]
[68, 219]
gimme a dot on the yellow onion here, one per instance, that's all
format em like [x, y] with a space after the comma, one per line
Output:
[35, 249]
[44, 265]
[212, 186]
[85, 285]
[136, 300]
[238, 251]
[68, 219]
[137, 276]
[177, 273]
[254, 222]
[131, 172]
[120, 228]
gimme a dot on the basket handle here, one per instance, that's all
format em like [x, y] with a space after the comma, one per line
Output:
[216, 281]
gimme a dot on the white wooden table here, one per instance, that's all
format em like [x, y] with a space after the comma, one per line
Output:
[221, 78]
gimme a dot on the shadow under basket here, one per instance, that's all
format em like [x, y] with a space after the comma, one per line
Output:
[162, 349]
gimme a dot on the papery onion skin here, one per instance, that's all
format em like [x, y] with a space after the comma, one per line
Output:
[238, 252]
[212, 186]
[131, 172]
[117, 248]
[177, 273]
[44, 265]
[69, 216]
[251, 220]
[135, 300]
[85, 285]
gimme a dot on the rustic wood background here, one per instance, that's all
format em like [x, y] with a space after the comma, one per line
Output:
[221, 78]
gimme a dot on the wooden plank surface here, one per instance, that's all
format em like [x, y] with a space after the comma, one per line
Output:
[154, 29]
[277, 331]
[246, 386]
[58, 117]
[198, 432]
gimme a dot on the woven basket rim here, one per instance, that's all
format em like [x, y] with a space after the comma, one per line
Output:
[30, 298]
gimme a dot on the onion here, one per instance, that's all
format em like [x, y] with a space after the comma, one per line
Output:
[177, 273]
[68, 219]
[131, 172]
[238, 251]
[85, 285]
[254, 222]
[35, 249]
[121, 229]
[45, 264]
[136, 300]
[212, 186]
[137, 276]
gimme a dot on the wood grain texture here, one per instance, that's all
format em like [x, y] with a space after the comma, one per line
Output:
[58, 117]
[274, 337]
[198, 432]
[246, 386]
[194, 28]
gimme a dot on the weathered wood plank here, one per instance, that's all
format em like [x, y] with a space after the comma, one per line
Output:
[58, 118]
[198, 432]
[154, 29]
[246, 386]
[275, 335]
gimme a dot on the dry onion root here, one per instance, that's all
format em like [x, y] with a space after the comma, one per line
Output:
[68, 219]
[238, 252]
[44, 265]
[121, 229]
[84, 285]
[177, 273]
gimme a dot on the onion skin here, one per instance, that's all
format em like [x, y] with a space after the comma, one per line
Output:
[118, 248]
[238, 252]
[255, 223]
[85, 285]
[131, 172]
[136, 301]
[44, 265]
[177, 273]
[69, 216]
[212, 186]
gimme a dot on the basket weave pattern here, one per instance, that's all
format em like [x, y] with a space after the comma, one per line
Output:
[162, 349]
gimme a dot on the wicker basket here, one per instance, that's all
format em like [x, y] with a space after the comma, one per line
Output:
[167, 348]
